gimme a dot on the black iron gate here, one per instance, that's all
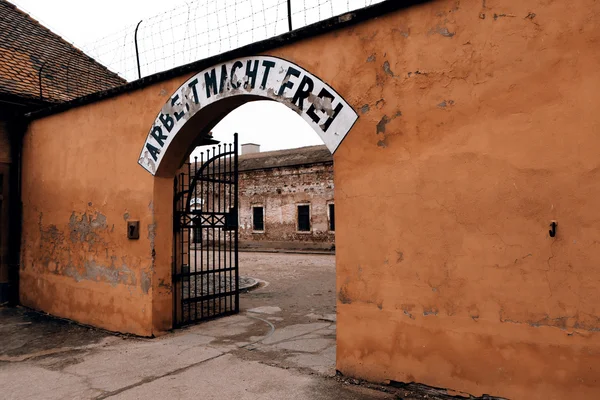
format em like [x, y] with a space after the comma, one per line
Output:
[205, 267]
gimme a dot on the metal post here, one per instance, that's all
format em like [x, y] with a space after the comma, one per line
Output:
[289, 6]
[236, 231]
[175, 257]
[137, 53]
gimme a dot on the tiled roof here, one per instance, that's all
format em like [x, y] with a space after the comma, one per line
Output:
[28, 50]
[300, 156]
[285, 158]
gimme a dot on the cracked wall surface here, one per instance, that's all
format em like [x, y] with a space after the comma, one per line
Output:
[478, 127]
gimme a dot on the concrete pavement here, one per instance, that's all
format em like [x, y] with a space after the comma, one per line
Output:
[238, 357]
[281, 346]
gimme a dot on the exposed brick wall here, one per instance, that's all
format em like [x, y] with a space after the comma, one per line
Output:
[279, 191]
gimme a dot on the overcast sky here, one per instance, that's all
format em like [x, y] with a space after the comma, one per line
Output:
[269, 124]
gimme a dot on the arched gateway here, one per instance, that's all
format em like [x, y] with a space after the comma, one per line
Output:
[239, 81]
[205, 259]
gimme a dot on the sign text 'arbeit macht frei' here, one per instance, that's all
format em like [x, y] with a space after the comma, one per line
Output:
[267, 77]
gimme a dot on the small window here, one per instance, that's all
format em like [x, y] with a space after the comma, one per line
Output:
[331, 217]
[304, 218]
[258, 219]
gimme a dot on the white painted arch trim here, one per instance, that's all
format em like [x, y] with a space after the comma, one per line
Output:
[265, 76]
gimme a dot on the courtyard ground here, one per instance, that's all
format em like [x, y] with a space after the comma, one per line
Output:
[280, 346]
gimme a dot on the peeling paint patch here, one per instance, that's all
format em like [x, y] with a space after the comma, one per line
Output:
[93, 271]
[417, 72]
[163, 284]
[372, 58]
[388, 70]
[51, 234]
[51, 243]
[446, 103]
[430, 311]
[365, 109]
[404, 33]
[561, 322]
[400, 257]
[406, 309]
[126, 216]
[496, 16]
[145, 282]
[382, 143]
[442, 30]
[85, 230]
[381, 125]
[343, 296]
[152, 233]
[152, 237]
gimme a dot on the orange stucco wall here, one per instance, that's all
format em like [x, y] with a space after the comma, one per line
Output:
[478, 126]
[80, 187]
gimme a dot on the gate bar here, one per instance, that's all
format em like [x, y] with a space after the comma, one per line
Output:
[236, 204]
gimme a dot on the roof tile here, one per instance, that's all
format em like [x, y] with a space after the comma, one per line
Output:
[28, 50]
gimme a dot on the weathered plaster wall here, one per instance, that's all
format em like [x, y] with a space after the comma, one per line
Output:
[478, 127]
[279, 191]
[79, 190]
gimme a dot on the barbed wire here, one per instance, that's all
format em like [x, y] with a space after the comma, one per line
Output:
[195, 30]
[202, 28]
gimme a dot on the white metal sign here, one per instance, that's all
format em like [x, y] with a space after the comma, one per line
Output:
[268, 77]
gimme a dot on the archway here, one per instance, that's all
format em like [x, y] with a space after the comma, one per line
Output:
[203, 100]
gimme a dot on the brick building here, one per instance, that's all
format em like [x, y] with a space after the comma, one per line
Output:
[38, 69]
[286, 199]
